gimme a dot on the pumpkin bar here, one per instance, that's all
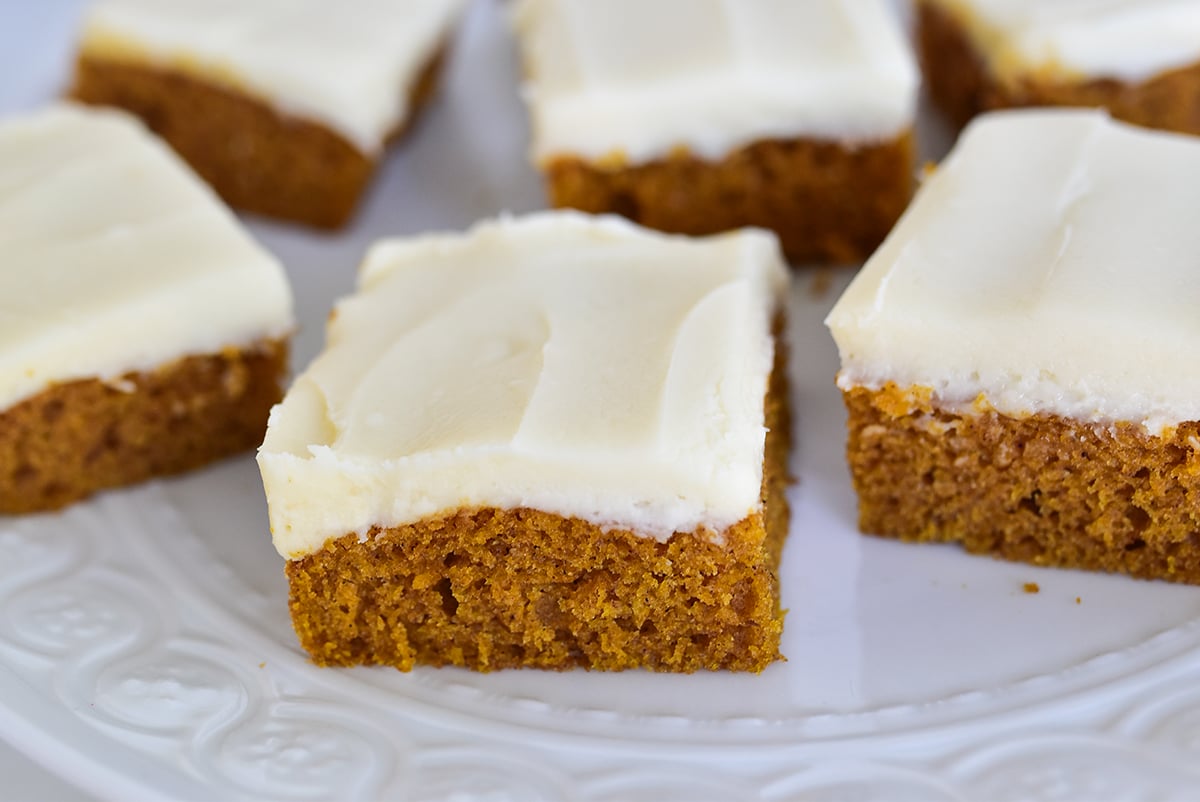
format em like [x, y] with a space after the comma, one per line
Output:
[1140, 59]
[284, 106]
[700, 116]
[552, 442]
[142, 331]
[1016, 358]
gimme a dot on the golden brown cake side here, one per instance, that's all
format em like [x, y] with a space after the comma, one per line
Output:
[962, 85]
[1040, 489]
[256, 158]
[491, 589]
[79, 437]
[827, 201]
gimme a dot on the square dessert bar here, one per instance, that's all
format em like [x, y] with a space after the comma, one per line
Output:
[284, 106]
[700, 116]
[1018, 359]
[1140, 59]
[142, 332]
[552, 442]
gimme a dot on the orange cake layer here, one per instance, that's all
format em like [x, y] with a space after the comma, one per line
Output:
[827, 201]
[962, 85]
[78, 437]
[491, 588]
[1041, 489]
[256, 158]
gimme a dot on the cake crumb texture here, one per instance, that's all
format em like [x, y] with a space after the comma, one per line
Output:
[490, 589]
[962, 85]
[827, 201]
[79, 437]
[1040, 489]
[256, 158]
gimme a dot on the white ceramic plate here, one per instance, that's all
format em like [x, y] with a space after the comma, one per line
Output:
[146, 652]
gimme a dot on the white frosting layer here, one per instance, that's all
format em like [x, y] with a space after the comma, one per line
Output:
[350, 66]
[1126, 39]
[114, 257]
[1052, 264]
[580, 366]
[635, 80]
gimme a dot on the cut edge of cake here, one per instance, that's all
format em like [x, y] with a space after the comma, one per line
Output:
[490, 589]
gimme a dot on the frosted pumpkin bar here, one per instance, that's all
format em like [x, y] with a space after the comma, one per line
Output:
[1017, 357]
[1140, 59]
[699, 116]
[284, 106]
[142, 331]
[550, 442]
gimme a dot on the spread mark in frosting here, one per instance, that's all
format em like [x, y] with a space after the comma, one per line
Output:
[349, 69]
[1049, 264]
[710, 76]
[575, 365]
[116, 257]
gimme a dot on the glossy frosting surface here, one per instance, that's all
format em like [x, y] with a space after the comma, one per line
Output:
[1125, 39]
[348, 65]
[114, 257]
[574, 365]
[1051, 265]
[633, 80]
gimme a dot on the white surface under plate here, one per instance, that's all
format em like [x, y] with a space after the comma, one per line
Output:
[146, 653]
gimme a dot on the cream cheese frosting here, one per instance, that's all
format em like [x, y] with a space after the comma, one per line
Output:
[634, 80]
[1050, 265]
[580, 366]
[348, 65]
[115, 258]
[1129, 40]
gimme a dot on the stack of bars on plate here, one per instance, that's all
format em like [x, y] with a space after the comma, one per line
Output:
[591, 470]
[562, 440]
